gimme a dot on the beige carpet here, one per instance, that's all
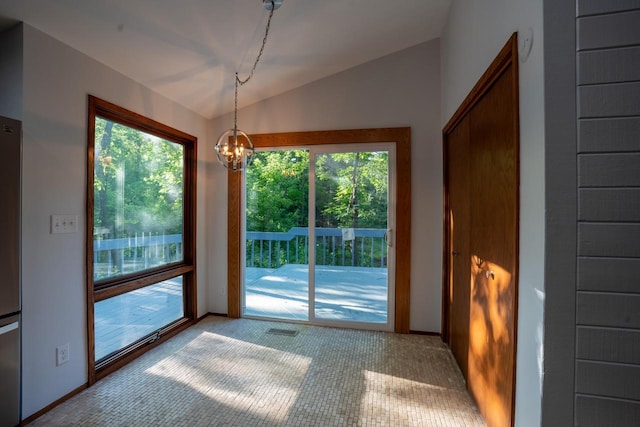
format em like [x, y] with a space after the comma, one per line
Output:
[224, 372]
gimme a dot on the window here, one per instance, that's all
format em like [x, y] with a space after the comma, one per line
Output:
[140, 234]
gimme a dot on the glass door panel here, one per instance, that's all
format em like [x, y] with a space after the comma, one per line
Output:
[276, 254]
[350, 281]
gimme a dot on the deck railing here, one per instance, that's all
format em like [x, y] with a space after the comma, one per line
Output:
[360, 247]
[135, 252]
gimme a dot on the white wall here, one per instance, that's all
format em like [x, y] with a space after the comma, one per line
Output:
[474, 34]
[401, 89]
[11, 73]
[57, 80]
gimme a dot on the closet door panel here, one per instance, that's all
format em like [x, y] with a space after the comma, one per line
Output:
[493, 244]
[459, 233]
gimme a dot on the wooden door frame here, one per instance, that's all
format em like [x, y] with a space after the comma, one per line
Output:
[402, 139]
[508, 57]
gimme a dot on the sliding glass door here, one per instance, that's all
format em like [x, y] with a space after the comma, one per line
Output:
[338, 198]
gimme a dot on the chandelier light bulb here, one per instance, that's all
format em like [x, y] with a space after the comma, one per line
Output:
[234, 149]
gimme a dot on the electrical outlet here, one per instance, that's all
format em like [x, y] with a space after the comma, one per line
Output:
[62, 354]
[64, 224]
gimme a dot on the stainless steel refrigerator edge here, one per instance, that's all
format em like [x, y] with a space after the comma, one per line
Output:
[10, 302]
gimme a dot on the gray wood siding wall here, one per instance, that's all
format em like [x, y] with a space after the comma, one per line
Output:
[607, 369]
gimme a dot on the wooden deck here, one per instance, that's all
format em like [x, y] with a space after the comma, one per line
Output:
[342, 293]
[122, 320]
[356, 294]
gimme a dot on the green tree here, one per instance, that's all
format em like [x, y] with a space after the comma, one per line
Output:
[138, 182]
[351, 190]
[277, 184]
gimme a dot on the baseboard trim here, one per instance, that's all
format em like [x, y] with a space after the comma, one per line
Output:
[52, 405]
[432, 334]
[217, 314]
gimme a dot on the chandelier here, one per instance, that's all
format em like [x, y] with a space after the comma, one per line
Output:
[234, 148]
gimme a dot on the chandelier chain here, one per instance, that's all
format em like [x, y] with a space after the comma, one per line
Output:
[253, 69]
[231, 152]
[264, 42]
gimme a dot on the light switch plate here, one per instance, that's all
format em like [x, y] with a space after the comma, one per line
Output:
[62, 354]
[64, 224]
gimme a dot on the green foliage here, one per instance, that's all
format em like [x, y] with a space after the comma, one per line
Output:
[277, 190]
[138, 182]
[351, 190]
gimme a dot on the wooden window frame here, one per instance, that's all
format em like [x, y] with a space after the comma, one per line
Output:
[119, 285]
[401, 137]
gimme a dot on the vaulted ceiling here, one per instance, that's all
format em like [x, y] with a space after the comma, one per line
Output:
[189, 50]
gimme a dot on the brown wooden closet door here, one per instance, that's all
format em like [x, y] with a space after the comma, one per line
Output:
[494, 193]
[481, 152]
[459, 257]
